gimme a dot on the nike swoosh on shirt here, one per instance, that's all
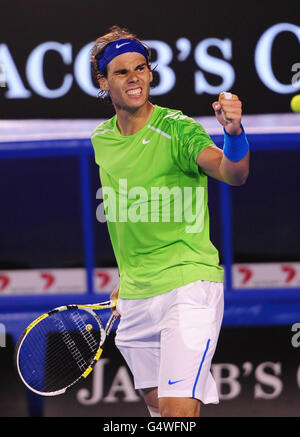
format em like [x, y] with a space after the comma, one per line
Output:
[120, 45]
[174, 382]
[145, 141]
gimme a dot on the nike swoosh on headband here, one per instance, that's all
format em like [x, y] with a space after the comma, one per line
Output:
[117, 48]
[120, 45]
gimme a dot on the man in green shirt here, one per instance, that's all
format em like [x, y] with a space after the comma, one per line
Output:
[154, 164]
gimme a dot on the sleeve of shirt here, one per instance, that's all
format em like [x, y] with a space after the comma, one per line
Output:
[189, 140]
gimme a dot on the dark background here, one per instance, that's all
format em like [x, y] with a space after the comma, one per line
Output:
[25, 25]
[47, 215]
[40, 199]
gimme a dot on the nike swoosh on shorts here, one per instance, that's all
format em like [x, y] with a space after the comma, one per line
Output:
[174, 382]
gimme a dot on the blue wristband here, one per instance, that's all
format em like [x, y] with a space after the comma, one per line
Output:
[235, 147]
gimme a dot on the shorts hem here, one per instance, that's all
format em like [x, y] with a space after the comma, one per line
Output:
[147, 384]
[133, 345]
[185, 394]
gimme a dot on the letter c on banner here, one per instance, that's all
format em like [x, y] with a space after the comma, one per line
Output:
[263, 57]
[35, 69]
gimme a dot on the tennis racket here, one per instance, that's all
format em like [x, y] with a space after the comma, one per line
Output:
[61, 347]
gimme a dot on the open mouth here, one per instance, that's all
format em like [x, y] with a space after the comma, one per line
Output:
[134, 92]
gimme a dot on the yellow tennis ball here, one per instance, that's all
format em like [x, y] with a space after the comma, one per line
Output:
[89, 327]
[295, 103]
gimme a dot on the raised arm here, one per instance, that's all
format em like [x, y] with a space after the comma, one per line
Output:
[230, 165]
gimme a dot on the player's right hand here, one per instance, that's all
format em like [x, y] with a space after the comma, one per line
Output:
[115, 295]
[228, 111]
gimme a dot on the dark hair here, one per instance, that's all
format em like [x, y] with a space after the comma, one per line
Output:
[114, 33]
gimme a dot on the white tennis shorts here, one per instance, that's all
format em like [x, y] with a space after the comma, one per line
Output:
[168, 341]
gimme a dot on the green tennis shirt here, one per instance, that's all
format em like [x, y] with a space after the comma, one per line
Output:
[153, 198]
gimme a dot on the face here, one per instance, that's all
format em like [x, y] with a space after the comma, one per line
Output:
[128, 81]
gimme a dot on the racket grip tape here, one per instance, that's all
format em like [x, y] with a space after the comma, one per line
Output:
[225, 95]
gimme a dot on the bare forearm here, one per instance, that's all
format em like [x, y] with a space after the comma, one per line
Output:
[234, 173]
[230, 165]
[214, 163]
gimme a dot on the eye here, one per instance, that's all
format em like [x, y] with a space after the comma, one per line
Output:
[121, 72]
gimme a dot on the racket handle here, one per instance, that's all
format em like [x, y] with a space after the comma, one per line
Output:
[110, 323]
[225, 95]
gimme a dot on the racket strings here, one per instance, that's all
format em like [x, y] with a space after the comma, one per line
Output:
[59, 349]
[68, 341]
[82, 327]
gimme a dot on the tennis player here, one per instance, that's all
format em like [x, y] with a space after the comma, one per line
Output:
[154, 164]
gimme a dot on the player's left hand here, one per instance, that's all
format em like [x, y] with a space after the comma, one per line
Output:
[114, 295]
[231, 109]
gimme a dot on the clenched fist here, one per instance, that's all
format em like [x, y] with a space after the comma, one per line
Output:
[228, 111]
